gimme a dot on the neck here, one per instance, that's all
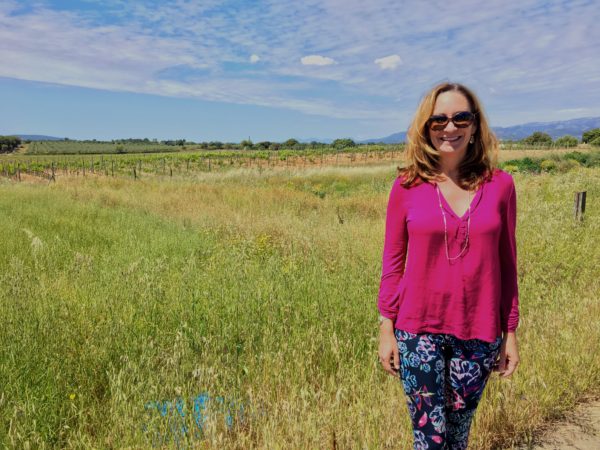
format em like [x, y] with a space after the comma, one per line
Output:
[449, 168]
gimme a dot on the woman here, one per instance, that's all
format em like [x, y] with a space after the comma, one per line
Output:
[448, 298]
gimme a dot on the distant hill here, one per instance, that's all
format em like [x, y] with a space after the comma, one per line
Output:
[37, 137]
[574, 127]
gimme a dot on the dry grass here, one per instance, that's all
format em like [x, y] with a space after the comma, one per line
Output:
[247, 285]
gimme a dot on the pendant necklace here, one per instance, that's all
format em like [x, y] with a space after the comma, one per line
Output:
[437, 188]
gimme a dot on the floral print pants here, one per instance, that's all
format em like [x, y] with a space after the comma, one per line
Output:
[443, 378]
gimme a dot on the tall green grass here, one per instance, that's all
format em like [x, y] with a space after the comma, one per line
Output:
[125, 300]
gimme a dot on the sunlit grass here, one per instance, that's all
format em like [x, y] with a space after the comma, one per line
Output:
[258, 287]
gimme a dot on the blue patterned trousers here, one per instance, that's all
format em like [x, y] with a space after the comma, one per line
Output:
[443, 378]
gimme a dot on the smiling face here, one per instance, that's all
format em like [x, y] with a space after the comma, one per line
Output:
[451, 140]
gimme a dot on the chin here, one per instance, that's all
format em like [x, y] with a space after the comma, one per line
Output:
[447, 149]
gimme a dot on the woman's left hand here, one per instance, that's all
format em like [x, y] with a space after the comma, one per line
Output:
[509, 355]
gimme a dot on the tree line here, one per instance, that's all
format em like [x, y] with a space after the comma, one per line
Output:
[544, 139]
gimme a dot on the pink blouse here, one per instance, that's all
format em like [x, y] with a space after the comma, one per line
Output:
[472, 297]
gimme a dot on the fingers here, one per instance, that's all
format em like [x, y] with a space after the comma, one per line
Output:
[510, 368]
[396, 359]
[390, 363]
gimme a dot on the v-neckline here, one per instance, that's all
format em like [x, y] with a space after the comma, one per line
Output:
[473, 204]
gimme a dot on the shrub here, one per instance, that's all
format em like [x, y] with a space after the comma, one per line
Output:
[343, 143]
[590, 135]
[566, 141]
[538, 138]
[510, 168]
[581, 158]
[595, 142]
[548, 165]
[567, 165]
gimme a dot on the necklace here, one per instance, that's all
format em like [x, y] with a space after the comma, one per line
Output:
[437, 188]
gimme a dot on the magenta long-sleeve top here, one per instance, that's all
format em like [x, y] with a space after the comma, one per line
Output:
[472, 297]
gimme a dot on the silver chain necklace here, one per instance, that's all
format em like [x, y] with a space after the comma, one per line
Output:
[437, 188]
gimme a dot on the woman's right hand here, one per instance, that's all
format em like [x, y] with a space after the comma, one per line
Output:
[388, 348]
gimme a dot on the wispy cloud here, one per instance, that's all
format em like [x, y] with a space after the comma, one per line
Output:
[519, 51]
[388, 62]
[316, 60]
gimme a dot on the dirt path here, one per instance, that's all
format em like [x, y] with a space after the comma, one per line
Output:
[579, 431]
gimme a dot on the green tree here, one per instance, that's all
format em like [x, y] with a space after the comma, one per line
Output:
[596, 142]
[538, 138]
[246, 144]
[567, 141]
[343, 143]
[9, 143]
[590, 135]
[263, 145]
[291, 143]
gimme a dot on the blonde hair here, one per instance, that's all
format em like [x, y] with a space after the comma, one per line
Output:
[422, 157]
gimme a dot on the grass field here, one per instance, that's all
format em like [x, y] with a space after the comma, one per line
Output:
[237, 310]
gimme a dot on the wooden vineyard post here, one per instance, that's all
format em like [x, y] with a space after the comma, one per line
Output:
[112, 167]
[134, 173]
[579, 206]
[18, 171]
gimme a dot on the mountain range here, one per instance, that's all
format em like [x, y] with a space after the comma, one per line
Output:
[573, 127]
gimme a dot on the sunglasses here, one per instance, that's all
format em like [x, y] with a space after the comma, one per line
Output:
[460, 120]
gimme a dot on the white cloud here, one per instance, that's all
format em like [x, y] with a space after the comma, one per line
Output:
[317, 60]
[388, 62]
[254, 58]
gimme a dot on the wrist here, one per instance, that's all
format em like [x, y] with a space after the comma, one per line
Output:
[385, 323]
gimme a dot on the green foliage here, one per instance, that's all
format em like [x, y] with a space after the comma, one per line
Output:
[343, 143]
[590, 135]
[562, 163]
[566, 141]
[538, 138]
[9, 143]
[595, 142]
[246, 144]
[523, 165]
[291, 143]
[548, 165]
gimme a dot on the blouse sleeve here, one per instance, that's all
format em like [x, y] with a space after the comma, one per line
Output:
[509, 303]
[394, 251]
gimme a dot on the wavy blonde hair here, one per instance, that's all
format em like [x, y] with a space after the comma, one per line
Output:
[423, 159]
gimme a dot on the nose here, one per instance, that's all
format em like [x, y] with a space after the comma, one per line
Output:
[450, 126]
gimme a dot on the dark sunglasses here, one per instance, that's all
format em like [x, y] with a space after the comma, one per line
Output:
[460, 120]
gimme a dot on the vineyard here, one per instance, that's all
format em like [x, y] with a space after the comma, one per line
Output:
[138, 165]
[96, 148]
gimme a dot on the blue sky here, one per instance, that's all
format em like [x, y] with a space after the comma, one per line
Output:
[275, 69]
